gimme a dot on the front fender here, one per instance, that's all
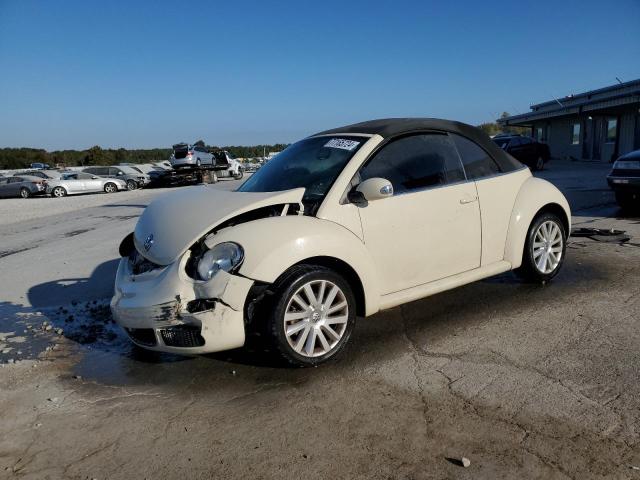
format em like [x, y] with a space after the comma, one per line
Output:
[534, 195]
[274, 244]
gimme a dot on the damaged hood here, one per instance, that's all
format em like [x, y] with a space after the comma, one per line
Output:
[175, 221]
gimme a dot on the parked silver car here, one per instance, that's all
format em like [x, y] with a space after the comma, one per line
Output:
[72, 183]
[133, 178]
[190, 155]
[24, 186]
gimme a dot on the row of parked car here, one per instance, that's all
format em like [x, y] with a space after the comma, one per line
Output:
[60, 183]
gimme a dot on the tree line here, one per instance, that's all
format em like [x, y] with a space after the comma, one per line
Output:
[15, 158]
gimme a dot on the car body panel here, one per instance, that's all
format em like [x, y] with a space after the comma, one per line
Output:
[162, 303]
[533, 195]
[403, 232]
[194, 212]
[497, 195]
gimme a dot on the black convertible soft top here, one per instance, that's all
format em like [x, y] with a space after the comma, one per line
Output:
[393, 127]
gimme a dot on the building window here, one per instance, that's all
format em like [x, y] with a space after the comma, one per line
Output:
[575, 134]
[612, 127]
[539, 134]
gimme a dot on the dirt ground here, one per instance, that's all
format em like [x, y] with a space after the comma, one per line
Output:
[525, 381]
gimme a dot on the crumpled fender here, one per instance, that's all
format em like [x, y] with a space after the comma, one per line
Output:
[535, 193]
[274, 244]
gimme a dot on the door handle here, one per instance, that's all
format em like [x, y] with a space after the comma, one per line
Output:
[464, 201]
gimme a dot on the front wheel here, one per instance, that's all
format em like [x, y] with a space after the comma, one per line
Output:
[25, 193]
[59, 192]
[544, 249]
[539, 163]
[131, 185]
[239, 175]
[313, 315]
[110, 188]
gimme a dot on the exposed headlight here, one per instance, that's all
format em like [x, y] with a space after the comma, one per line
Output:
[225, 256]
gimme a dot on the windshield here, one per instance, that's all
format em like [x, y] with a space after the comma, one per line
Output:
[313, 163]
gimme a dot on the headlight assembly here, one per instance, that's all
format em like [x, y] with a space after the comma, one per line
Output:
[225, 256]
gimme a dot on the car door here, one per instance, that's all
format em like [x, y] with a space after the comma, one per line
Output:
[497, 192]
[430, 228]
[13, 186]
[89, 183]
[73, 184]
[4, 187]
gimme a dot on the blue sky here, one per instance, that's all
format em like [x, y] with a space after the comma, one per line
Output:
[149, 74]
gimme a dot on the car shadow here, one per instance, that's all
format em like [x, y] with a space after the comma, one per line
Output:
[110, 358]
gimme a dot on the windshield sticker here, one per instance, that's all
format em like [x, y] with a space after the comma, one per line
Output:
[342, 143]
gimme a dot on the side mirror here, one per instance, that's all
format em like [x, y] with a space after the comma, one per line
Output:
[375, 189]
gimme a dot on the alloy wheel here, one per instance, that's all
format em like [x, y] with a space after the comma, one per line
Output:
[316, 318]
[547, 247]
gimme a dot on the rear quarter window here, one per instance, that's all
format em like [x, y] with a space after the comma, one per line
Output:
[476, 161]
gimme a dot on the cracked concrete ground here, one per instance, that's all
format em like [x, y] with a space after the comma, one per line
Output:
[526, 381]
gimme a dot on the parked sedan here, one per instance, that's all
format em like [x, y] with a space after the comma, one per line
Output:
[133, 179]
[24, 186]
[527, 150]
[73, 183]
[624, 179]
[341, 224]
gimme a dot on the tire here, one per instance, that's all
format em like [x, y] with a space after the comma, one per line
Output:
[25, 192]
[539, 163]
[314, 337]
[239, 175]
[59, 192]
[546, 239]
[131, 185]
[628, 201]
[110, 188]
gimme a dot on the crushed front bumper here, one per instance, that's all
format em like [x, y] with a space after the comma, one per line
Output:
[165, 310]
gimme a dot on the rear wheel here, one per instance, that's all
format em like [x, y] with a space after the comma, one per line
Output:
[131, 185]
[313, 315]
[25, 192]
[110, 188]
[544, 249]
[59, 192]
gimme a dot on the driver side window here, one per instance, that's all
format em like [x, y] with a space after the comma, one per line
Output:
[416, 162]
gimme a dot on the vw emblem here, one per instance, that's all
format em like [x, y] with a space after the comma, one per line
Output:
[148, 243]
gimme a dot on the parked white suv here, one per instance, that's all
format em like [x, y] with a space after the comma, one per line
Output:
[190, 155]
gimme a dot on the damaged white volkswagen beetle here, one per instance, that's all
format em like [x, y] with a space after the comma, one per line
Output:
[344, 223]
